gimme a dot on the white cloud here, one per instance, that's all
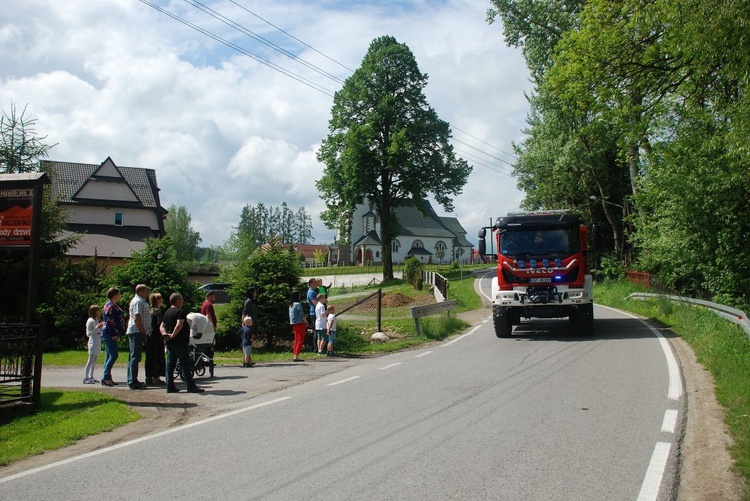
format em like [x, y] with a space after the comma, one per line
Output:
[117, 78]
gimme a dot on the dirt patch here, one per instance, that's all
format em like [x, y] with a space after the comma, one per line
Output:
[396, 299]
[705, 463]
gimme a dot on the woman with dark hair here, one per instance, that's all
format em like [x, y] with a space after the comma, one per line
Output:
[298, 323]
[114, 327]
[155, 363]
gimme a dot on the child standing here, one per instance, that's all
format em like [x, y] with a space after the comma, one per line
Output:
[320, 323]
[94, 333]
[247, 342]
[331, 328]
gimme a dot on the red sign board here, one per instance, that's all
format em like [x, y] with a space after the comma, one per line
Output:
[16, 209]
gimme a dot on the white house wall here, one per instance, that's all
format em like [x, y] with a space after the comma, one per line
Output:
[106, 215]
[107, 190]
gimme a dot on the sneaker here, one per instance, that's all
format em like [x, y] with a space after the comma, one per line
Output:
[137, 386]
[330, 354]
[88, 380]
[173, 390]
[195, 389]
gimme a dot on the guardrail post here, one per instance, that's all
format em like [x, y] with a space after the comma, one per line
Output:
[380, 309]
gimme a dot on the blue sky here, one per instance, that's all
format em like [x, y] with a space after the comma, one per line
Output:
[118, 78]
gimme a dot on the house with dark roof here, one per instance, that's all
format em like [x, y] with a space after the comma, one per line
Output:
[112, 209]
[427, 236]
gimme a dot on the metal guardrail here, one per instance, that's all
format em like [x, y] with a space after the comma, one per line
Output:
[734, 315]
[417, 312]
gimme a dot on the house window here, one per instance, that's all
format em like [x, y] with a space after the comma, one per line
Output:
[395, 244]
[440, 246]
[417, 244]
[377, 254]
[118, 218]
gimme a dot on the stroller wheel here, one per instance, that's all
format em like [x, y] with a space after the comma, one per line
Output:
[200, 371]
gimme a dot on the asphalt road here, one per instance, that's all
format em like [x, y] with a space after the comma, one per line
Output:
[543, 415]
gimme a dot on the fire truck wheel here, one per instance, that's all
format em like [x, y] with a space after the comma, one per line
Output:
[503, 326]
[586, 321]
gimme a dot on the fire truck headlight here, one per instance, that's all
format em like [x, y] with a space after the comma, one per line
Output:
[521, 263]
[532, 263]
[575, 295]
[558, 262]
[545, 263]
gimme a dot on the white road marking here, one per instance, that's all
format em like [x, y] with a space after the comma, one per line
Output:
[472, 331]
[670, 421]
[389, 366]
[423, 354]
[655, 472]
[344, 380]
[675, 383]
[141, 439]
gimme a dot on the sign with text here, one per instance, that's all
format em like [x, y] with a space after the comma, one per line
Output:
[16, 214]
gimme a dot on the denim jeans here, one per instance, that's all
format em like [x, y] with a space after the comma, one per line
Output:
[181, 353]
[134, 358]
[110, 357]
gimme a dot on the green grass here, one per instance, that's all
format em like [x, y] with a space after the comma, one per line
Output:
[64, 417]
[719, 345]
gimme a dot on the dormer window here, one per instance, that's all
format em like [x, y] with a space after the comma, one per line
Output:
[118, 218]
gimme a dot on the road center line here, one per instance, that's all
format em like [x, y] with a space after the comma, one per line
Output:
[344, 380]
[141, 439]
[389, 366]
[423, 354]
[655, 472]
[670, 421]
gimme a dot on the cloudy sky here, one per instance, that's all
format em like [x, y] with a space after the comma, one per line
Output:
[184, 94]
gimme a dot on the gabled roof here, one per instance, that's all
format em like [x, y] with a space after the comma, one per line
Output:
[371, 238]
[69, 180]
[413, 223]
[455, 227]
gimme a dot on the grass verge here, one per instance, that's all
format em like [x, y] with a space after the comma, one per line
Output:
[719, 345]
[64, 417]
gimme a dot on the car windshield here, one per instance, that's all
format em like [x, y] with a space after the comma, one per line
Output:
[539, 241]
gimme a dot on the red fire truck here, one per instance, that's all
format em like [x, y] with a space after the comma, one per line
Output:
[542, 270]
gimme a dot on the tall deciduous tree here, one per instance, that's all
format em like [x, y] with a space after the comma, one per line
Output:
[184, 239]
[386, 143]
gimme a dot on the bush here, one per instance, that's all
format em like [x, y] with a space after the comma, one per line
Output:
[413, 272]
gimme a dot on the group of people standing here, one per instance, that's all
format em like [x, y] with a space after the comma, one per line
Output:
[168, 331]
[149, 326]
[321, 319]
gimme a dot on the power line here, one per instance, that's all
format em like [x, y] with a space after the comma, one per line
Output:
[255, 36]
[483, 142]
[482, 152]
[243, 51]
[468, 157]
[229, 22]
[291, 36]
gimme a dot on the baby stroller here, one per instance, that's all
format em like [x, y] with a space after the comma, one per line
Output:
[201, 346]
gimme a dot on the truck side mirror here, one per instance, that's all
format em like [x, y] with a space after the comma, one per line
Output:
[482, 248]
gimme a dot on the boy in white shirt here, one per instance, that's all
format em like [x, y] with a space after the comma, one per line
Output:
[331, 328]
[320, 322]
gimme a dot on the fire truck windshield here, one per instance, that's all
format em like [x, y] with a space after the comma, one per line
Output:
[525, 242]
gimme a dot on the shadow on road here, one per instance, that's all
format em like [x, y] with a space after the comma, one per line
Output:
[604, 329]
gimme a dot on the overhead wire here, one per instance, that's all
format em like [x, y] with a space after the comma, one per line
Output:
[241, 50]
[291, 36]
[259, 38]
[229, 22]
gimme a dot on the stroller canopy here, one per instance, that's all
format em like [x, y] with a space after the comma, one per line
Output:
[201, 329]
